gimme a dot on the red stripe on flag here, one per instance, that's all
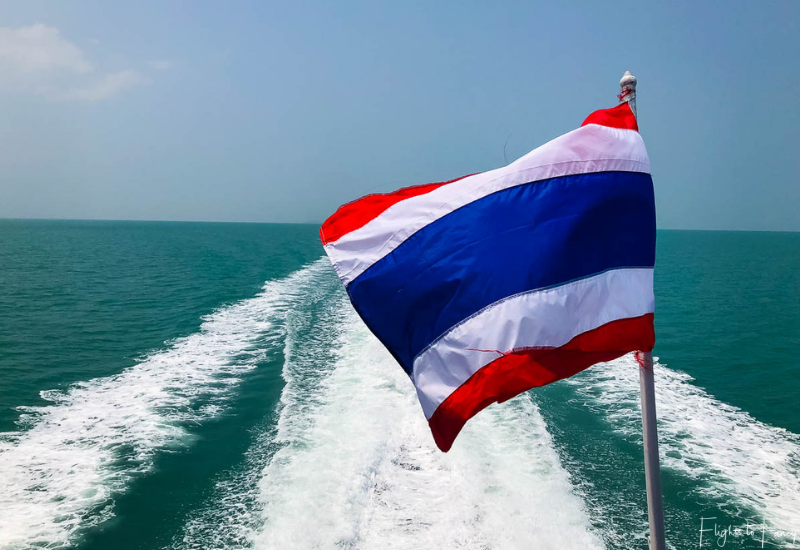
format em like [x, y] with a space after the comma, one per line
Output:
[620, 116]
[358, 213]
[521, 370]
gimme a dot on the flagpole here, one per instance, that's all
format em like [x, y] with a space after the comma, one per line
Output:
[652, 468]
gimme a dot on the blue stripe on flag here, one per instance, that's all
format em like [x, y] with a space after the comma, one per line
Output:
[536, 235]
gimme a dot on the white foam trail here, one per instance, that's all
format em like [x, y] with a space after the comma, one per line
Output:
[730, 452]
[230, 516]
[60, 475]
[358, 467]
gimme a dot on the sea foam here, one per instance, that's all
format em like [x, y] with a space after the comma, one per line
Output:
[61, 473]
[230, 516]
[356, 465]
[725, 450]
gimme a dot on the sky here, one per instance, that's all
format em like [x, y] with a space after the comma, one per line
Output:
[281, 111]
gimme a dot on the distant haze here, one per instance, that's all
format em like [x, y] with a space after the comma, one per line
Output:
[280, 112]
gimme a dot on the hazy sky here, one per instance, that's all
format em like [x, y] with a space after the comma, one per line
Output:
[281, 111]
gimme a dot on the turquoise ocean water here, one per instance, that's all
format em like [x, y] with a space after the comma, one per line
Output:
[208, 386]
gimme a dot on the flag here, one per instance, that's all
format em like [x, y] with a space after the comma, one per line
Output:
[488, 285]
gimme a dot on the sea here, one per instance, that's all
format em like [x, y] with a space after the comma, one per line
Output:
[208, 386]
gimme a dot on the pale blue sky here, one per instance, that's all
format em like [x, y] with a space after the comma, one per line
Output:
[262, 111]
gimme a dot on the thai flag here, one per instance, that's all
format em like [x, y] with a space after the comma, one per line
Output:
[491, 284]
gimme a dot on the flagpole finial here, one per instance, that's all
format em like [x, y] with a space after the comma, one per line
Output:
[627, 94]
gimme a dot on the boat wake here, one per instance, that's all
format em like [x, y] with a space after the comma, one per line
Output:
[725, 452]
[350, 462]
[61, 471]
[356, 465]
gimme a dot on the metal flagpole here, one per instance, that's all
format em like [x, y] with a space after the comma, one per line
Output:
[652, 468]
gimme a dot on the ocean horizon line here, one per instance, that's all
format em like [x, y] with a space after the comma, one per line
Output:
[319, 223]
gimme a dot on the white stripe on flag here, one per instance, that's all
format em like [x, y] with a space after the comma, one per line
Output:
[589, 149]
[546, 318]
